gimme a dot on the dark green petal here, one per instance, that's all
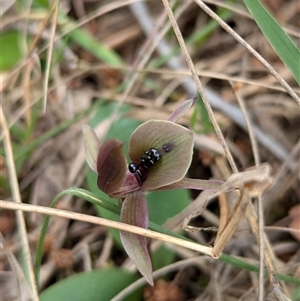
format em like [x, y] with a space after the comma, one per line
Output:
[195, 184]
[175, 146]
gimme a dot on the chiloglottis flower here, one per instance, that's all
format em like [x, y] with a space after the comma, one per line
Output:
[160, 152]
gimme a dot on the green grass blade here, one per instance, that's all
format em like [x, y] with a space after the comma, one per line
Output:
[89, 43]
[278, 39]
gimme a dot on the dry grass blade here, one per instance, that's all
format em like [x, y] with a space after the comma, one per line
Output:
[259, 199]
[272, 71]
[50, 53]
[17, 198]
[17, 284]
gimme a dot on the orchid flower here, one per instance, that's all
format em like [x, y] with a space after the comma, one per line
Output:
[160, 152]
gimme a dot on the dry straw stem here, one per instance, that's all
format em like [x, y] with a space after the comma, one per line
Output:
[250, 213]
[249, 125]
[108, 223]
[268, 256]
[180, 73]
[259, 199]
[55, 8]
[20, 283]
[30, 66]
[260, 176]
[253, 182]
[14, 186]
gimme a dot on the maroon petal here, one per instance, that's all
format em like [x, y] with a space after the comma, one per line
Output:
[111, 166]
[129, 185]
[135, 212]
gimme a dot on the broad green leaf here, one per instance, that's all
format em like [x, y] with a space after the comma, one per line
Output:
[92, 286]
[163, 205]
[279, 40]
[10, 49]
[162, 257]
[91, 178]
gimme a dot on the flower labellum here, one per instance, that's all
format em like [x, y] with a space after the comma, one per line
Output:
[172, 149]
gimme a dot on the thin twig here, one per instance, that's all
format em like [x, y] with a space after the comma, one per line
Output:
[17, 198]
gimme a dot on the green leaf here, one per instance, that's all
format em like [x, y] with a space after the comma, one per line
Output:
[163, 205]
[92, 286]
[88, 42]
[162, 257]
[295, 294]
[91, 178]
[10, 50]
[279, 40]
[200, 122]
